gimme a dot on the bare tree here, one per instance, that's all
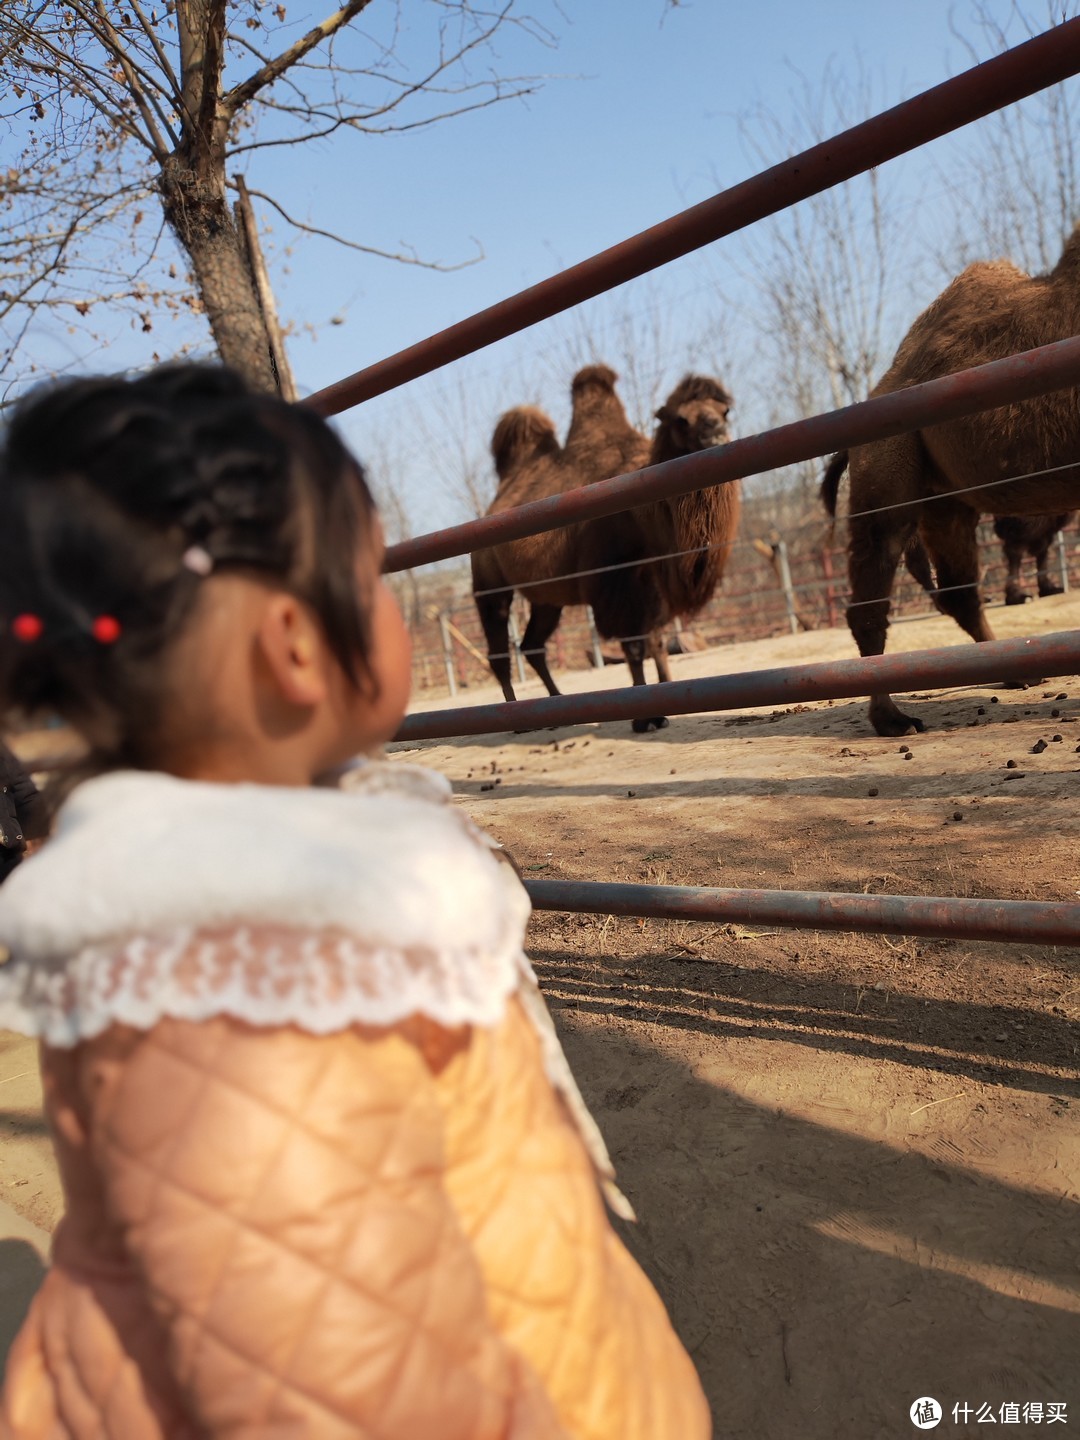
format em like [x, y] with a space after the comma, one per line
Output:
[158, 107]
[1019, 176]
[824, 276]
[827, 265]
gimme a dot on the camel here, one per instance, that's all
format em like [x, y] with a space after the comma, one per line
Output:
[1029, 537]
[993, 309]
[632, 604]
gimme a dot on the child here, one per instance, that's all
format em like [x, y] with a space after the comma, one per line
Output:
[325, 1172]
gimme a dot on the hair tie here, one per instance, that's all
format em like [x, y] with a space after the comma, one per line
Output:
[197, 560]
[27, 627]
[106, 629]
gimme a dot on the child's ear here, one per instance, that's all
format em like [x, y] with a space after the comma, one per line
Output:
[293, 650]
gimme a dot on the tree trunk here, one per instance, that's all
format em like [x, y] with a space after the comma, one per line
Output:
[203, 223]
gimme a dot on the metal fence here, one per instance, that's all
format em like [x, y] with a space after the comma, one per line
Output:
[1042, 61]
[771, 587]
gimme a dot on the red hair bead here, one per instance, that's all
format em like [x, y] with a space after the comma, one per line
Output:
[106, 629]
[27, 628]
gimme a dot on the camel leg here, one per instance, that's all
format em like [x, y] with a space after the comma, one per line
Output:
[1047, 584]
[635, 652]
[656, 650]
[494, 612]
[876, 544]
[1015, 594]
[952, 541]
[949, 531]
[543, 622]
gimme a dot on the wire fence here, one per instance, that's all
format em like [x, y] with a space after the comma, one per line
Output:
[1040, 62]
[759, 598]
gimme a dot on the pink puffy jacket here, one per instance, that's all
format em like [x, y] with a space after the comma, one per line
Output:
[326, 1172]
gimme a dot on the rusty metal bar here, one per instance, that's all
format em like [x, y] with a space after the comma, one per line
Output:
[1029, 658]
[1017, 377]
[1027, 921]
[1042, 61]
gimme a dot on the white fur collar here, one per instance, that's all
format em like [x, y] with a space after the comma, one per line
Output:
[387, 859]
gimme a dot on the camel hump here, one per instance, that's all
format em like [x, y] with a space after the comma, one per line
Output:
[593, 377]
[698, 387]
[522, 434]
[830, 482]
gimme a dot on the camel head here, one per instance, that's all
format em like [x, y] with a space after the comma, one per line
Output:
[694, 417]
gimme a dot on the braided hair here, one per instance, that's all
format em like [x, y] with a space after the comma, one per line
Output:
[109, 485]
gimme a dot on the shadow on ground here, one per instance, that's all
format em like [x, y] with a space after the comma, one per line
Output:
[821, 1280]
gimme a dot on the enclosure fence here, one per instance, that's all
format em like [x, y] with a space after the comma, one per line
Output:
[771, 586]
[1045, 60]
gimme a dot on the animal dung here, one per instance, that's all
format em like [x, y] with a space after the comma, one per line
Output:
[957, 814]
[1057, 737]
[909, 756]
[905, 750]
[981, 710]
[1038, 747]
[1010, 764]
[994, 700]
[1063, 696]
[872, 791]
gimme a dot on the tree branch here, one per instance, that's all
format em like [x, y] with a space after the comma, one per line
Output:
[213, 60]
[159, 51]
[402, 256]
[249, 88]
[135, 77]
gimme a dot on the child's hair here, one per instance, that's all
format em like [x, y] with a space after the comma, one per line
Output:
[115, 493]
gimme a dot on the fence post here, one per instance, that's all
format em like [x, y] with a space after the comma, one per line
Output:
[785, 581]
[594, 636]
[1063, 560]
[515, 645]
[448, 654]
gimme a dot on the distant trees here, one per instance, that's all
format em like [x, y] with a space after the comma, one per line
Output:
[1020, 179]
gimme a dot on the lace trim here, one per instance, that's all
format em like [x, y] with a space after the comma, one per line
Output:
[320, 981]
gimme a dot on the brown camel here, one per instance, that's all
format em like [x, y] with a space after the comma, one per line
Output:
[1020, 538]
[990, 311]
[631, 604]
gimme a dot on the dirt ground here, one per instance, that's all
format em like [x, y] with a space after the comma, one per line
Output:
[856, 1160]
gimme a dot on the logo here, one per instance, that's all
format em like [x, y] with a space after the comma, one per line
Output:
[925, 1413]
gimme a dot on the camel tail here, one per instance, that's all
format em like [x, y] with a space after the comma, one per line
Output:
[522, 434]
[830, 483]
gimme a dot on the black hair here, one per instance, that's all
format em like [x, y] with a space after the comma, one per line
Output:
[106, 484]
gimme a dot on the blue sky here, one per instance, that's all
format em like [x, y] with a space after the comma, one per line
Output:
[641, 115]
[639, 120]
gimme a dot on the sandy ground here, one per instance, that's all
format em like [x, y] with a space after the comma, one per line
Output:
[856, 1160]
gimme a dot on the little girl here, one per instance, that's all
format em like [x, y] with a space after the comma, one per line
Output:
[326, 1172]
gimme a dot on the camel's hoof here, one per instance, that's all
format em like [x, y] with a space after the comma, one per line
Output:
[896, 723]
[1016, 597]
[1047, 587]
[656, 722]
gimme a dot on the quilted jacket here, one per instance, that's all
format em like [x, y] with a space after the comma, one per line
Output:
[326, 1171]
